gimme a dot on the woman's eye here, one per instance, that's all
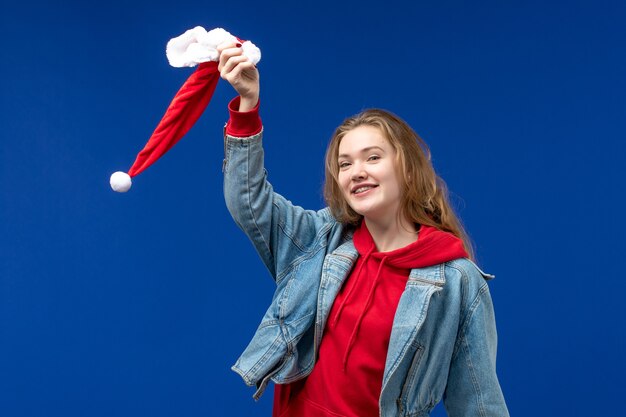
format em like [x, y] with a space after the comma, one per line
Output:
[373, 158]
[343, 165]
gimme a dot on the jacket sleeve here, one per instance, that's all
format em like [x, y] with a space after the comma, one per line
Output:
[473, 389]
[280, 231]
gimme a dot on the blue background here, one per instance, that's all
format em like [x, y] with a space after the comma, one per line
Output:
[138, 304]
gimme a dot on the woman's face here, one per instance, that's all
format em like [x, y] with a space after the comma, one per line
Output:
[367, 174]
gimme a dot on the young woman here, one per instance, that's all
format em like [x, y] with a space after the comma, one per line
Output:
[379, 310]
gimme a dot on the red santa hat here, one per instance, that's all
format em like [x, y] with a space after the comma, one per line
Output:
[194, 47]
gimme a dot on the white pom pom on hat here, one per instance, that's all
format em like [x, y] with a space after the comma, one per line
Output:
[194, 47]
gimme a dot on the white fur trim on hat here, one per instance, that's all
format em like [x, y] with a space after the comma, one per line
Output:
[197, 45]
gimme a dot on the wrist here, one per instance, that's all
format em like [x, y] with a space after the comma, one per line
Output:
[248, 103]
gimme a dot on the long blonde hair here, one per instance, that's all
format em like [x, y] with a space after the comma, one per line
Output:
[424, 193]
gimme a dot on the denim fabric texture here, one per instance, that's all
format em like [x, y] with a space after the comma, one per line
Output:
[443, 340]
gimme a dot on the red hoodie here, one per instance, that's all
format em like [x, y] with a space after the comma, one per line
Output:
[346, 380]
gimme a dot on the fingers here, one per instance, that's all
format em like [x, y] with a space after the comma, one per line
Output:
[228, 50]
[231, 63]
[226, 45]
[235, 68]
[244, 69]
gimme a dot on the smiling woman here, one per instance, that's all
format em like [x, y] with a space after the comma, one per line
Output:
[379, 309]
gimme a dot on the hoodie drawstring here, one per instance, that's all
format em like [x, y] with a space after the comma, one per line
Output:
[368, 302]
[357, 275]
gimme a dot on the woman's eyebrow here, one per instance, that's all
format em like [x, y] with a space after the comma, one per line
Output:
[364, 150]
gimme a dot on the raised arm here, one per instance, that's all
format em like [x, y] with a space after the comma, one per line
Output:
[280, 231]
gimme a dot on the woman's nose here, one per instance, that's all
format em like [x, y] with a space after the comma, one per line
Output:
[358, 172]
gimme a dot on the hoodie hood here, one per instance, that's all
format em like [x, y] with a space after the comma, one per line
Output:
[432, 247]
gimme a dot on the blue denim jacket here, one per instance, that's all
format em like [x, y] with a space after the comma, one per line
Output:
[443, 339]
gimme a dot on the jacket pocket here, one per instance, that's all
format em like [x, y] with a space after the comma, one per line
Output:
[410, 396]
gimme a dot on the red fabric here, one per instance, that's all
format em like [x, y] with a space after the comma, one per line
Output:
[243, 124]
[184, 110]
[347, 378]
